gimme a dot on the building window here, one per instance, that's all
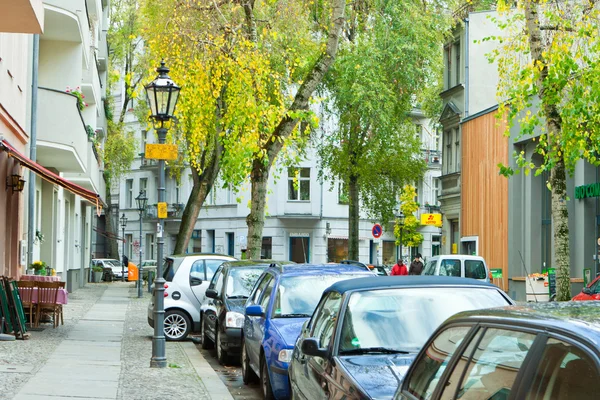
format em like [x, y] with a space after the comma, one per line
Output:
[299, 184]
[337, 250]
[144, 140]
[266, 250]
[144, 185]
[343, 194]
[436, 191]
[447, 158]
[230, 196]
[230, 243]
[457, 150]
[456, 49]
[448, 52]
[299, 249]
[129, 193]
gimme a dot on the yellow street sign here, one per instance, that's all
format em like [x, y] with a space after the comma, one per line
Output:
[162, 210]
[161, 151]
[431, 219]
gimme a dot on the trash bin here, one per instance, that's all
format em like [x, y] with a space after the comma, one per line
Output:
[536, 289]
[132, 272]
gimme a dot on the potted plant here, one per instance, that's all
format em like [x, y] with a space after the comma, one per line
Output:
[38, 267]
[97, 270]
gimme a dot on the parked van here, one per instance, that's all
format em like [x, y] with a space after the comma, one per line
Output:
[458, 265]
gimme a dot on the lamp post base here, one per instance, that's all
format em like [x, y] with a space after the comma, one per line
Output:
[158, 362]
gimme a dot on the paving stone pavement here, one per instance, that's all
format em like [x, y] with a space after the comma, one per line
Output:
[103, 352]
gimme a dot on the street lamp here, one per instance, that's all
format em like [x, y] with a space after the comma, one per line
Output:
[141, 201]
[162, 94]
[123, 225]
[400, 222]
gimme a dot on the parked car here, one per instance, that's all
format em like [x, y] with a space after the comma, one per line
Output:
[283, 298]
[187, 276]
[365, 333]
[378, 270]
[228, 291]
[147, 266]
[536, 351]
[111, 268]
[458, 265]
[590, 292]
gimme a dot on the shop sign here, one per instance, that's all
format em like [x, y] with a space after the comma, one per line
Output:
[496, 273]
[431, 219]
[591, 190]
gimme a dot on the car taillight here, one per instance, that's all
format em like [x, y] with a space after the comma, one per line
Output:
[166, 286]
[490, 276]
[166, 294]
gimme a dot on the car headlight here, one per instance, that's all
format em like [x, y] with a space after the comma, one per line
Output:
[234, 320]
[285, 355]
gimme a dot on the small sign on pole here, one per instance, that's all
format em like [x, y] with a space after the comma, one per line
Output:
[377, 231]
[161, 151]
[162, 209]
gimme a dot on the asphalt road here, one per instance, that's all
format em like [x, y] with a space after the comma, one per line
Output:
[231, 375]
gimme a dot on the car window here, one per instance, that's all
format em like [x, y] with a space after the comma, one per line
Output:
[565, 371]
[214, 283]
[429, 368]
[197, 270]
[450, 268]
[430, 268]
[474, 269]
[211, 267]
[260, 288]
[240, 281]
[595, 288]
[325, 319]
[266, 295]
[492, 368]
[170, 270]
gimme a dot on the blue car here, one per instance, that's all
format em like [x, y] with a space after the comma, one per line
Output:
[283, 298]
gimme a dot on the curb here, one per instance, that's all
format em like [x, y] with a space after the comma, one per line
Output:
[215, 387]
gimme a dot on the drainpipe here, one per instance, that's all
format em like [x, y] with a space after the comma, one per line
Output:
[32, 148]
[466, 67]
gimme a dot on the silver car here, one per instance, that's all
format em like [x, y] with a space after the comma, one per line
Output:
[188, 277]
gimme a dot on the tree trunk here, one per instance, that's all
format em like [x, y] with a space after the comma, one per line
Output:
[274, 144]
[560, 214]
[353, 217]
[112, 247]
[256, 219]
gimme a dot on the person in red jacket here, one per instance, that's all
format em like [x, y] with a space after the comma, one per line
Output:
[399, 268]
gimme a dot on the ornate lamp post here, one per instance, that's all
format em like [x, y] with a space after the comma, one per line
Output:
[400, 220]
[162, 95]
[123, 220]
[141, 201]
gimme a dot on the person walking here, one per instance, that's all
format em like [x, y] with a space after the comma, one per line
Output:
[399, 268]
[416, 267]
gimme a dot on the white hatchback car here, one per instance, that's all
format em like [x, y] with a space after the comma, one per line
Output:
[458, 265]
[188, 277]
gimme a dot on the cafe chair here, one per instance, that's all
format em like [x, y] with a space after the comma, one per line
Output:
[26, 294]
[61, 285]
[47, 297]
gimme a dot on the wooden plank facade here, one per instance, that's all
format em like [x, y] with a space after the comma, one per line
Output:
[484, 196]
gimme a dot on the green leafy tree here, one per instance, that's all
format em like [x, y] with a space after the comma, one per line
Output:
[549, 64]
[406, 234]
[389, 59]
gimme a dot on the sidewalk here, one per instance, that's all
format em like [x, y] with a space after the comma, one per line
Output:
[103, 352]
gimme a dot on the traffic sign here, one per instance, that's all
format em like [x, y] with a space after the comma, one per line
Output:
[161, 151]
[377, 231]
[162, 210]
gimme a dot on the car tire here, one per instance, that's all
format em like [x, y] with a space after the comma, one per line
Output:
[265, 381]
[248, 375]
[177, 325]
[222, 355]
[206, 342]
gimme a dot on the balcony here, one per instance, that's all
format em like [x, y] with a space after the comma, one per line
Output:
[62, 141]
[22, 16]
[68, 21]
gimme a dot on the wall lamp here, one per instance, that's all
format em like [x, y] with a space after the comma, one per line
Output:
[15, 182]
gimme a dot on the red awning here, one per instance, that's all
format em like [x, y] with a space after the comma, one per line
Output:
[50, 176]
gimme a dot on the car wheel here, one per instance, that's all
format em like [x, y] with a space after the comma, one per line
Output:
[221, 354]
[177, 325]
[248, 375]
[266, 381]
[206, 342]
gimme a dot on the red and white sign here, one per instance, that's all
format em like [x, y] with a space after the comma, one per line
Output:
[377, 231]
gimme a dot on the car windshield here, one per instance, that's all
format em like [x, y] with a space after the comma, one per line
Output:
[297, 296]
[241, 281]
[112, 263]
[393, 319]
[430, 268]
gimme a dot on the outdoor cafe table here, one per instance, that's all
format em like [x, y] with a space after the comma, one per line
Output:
[62, 297]
[40, 278]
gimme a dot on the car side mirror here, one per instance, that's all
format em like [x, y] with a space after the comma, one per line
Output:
[310, 347]
[586, 290]
[254, 310]
[195, 281]
[212, 293]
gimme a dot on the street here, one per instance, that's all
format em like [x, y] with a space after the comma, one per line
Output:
[231, 375]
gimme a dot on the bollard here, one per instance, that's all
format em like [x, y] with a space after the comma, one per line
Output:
[150, 280]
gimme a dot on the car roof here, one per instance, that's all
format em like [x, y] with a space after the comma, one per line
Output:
[579, 317]
[321, 269]
[200, 255]
[254, 263]
[377, 282]
[105, 259]
[459, 256]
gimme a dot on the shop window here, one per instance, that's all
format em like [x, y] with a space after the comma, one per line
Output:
[390, 252]
[337, 250]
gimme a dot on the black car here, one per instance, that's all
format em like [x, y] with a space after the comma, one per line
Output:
[365, 332]
[223, 318]
[538, 351]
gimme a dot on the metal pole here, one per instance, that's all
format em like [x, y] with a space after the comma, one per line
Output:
[159, 359]
[401, 255]
[33, 155]
[140, 294]
[123, 258]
